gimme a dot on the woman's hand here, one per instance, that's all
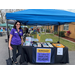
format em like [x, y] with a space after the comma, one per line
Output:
[10, 42]
[10, 48]
[22, 43]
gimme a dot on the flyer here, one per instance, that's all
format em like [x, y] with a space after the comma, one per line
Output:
[43, 55]
[59, 51]
[28, 39]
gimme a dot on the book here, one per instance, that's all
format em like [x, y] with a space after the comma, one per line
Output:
[39, 44]
[50, 45]
[35, 45]
[45, 45]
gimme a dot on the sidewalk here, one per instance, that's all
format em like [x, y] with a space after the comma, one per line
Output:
[3, 50]
[4, 53]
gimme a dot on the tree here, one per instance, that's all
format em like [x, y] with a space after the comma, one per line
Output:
[4, 11]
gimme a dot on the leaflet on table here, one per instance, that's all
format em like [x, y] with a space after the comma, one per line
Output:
[45, 45]
[50, 45]
[39, 44]
[35, 45]
[28, 39]
[28, 43]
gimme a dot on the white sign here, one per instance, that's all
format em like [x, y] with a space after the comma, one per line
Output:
[59, 51]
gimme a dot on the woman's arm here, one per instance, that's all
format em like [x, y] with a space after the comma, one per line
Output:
[10, 42]
[22, 40]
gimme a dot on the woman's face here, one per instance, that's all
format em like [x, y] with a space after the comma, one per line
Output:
[18, 25]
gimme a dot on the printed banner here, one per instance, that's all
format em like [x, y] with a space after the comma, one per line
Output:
[43, 55]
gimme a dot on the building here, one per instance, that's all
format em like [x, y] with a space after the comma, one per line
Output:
[66, 27]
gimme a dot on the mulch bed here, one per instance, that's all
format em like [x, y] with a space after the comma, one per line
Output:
[71, 39]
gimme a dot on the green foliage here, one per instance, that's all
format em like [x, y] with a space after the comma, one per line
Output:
[48, 30]
[34, 35]
[55, 33]
[74, 39]
[61, 34]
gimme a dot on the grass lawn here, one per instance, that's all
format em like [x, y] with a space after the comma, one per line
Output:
[71, 46]
[34, 35]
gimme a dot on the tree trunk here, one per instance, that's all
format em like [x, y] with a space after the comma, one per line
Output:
[2, 18]
[45, 30]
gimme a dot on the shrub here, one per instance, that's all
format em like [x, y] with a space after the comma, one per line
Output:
[55, 33]
[74, 39]
[68, 33]
[48, 30]
[61, 34]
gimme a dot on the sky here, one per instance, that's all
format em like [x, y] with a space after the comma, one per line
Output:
[71, 10]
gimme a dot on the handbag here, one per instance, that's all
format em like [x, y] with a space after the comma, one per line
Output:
[9, 60]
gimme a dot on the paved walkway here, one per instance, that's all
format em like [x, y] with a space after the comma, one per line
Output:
[3, 50]
[4, 53]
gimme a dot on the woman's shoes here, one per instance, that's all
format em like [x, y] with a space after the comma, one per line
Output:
[16, 63]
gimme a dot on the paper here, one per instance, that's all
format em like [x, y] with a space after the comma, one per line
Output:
[28, 39]
[43, 55]
[59, 51]
[50, 45]
[39, 44]
[27, 43]
[45, 45]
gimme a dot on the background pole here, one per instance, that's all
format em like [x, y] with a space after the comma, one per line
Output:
[59, 34]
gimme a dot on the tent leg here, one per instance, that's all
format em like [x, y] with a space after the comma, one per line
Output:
[7, 29]
[8, 38]
[59, 34]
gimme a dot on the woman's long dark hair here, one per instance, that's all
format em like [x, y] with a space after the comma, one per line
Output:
[16, 23]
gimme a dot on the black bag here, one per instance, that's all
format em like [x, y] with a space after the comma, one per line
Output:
[9, 60]
[6, 40]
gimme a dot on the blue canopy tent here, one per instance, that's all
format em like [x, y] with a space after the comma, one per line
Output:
[41, 17]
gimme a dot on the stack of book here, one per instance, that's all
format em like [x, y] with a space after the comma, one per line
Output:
[35, 45]
[39, 44]
[45, 45]
[50, 45]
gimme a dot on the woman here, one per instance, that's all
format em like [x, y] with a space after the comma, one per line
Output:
[16, 40]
